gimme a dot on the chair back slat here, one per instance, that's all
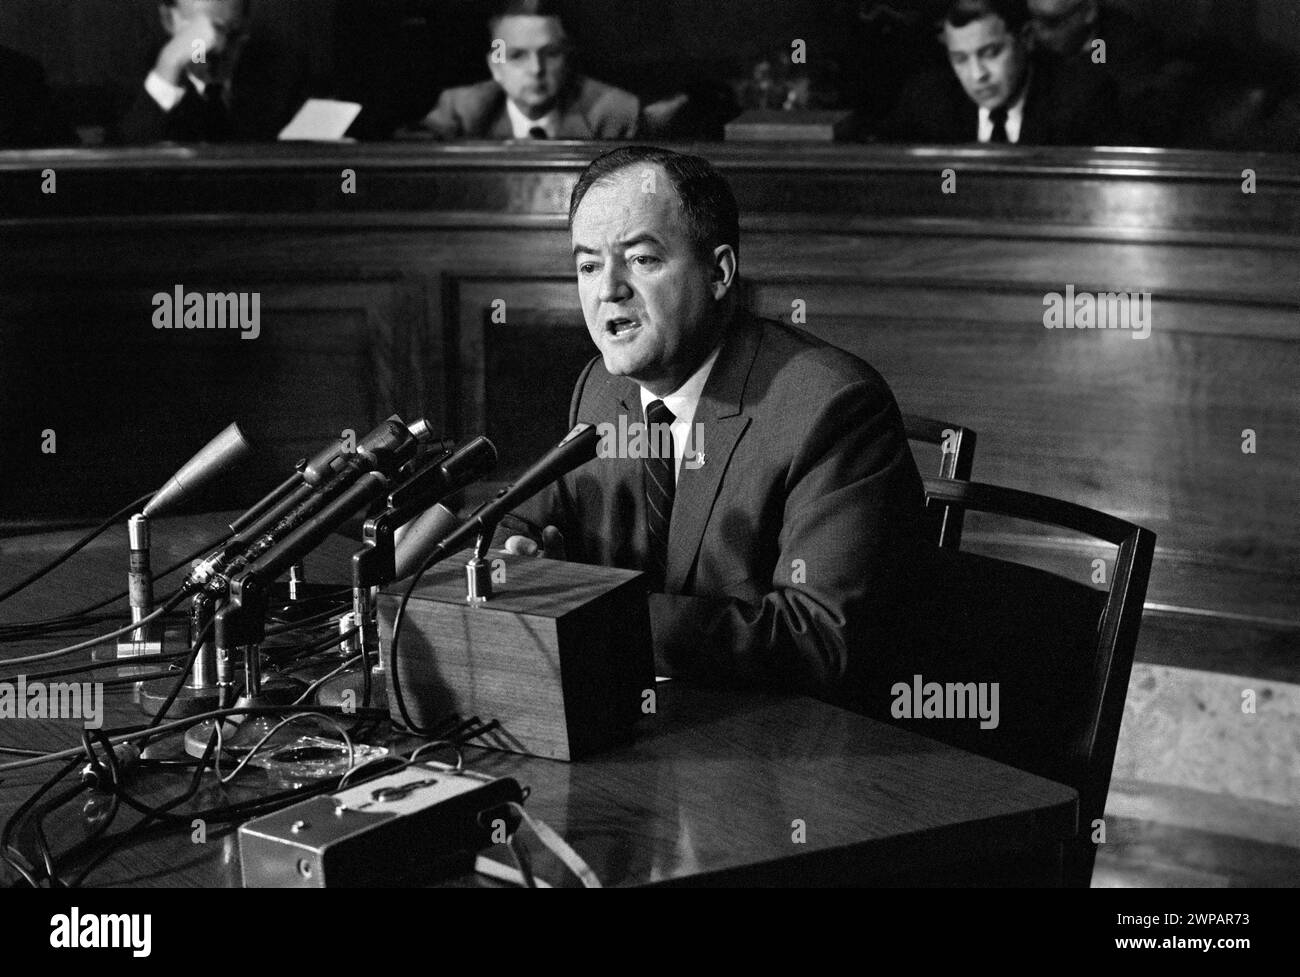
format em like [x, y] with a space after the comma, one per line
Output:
[957, 456]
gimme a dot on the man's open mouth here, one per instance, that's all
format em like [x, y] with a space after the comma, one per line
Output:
[620, 326]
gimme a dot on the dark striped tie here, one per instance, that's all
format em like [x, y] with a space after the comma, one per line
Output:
[660, 488]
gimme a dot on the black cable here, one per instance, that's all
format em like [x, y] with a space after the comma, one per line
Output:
[6, 833]
[393, 678]
[86, 611]
[67, 554]
[95, 666]
[133, 679]
[199, 640]
[142, 824]
[319, 618]
[315, 647]
[365, 674]
[38, 824]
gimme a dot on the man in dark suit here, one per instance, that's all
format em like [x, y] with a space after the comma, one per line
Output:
[773, 522]
[212, 81]
[533, 94]
[996, 91]
[28, 119]
[1151, 85]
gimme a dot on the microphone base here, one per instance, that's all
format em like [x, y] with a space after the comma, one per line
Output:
[189, 701]
[310, 599]
[241, 733]
[173, 637]
[348, 690]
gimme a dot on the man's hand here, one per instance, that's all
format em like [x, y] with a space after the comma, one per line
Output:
[552, 545]
[191, 36]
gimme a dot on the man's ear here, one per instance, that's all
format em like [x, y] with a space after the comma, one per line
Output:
[494, 65]
[725, 268]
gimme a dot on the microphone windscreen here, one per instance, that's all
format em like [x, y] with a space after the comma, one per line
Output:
[223, 452]
[415, 540]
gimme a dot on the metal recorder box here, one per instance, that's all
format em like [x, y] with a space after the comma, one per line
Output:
[419, 823]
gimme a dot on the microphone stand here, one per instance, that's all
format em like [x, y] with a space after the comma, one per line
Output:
[375, 564]
[240, 624]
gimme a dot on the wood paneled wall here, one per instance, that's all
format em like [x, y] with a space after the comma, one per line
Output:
[384, 300]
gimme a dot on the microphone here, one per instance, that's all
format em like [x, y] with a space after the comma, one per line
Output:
[220, 454]
[417, 538]
[577, 448]
[417, 532]
[385, 449]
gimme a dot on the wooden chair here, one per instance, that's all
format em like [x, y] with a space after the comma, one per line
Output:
[1061, 651]
[957, 455]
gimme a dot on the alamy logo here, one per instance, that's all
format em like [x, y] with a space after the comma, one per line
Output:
[951, 700]
[179, 309]
[637, 439]
[133, 931]
[1104, 310]
[53, 700]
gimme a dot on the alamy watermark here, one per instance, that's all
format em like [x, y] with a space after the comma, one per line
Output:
[75, 930]
[1100, 310]
[949, 700]
[53, 700]
[637, 439]
[179, 309]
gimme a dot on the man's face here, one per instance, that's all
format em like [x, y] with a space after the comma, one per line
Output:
[229, 20]
[1063, 26]
[988, 59]
[529, 60]
[648, 295]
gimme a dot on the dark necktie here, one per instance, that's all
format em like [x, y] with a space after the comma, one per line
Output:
[998, 117]
[216, 119]
[660, 488]
[537, 132]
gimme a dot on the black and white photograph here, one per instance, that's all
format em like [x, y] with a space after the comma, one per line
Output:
[746, 444]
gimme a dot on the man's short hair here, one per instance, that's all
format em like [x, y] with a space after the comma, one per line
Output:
[248, 4]
[1014, 13]
[523, 8]
[708, 205]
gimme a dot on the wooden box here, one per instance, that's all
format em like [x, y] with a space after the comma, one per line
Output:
[797, 125]
[560, 655]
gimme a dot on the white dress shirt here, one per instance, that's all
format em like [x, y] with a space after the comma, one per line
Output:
[522, 125]
[167, 95]
[1015, 116]
[682, 402]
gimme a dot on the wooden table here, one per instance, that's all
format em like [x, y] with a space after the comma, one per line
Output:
[717, 788]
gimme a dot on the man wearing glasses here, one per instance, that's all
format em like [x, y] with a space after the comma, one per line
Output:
[1151, 85]
[533, 93]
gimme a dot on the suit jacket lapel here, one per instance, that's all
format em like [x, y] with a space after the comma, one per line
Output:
[498, 118]
[721, 414]
[574, 125]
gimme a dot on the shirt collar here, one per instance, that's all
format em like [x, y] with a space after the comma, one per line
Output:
[520, 124]
[685, 399]
[1015, 113]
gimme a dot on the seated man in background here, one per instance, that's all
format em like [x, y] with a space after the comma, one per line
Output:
[774, 530]
[27, 116]
[210, 82]
[1150, 92]
[996, 91]
[533, 93]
